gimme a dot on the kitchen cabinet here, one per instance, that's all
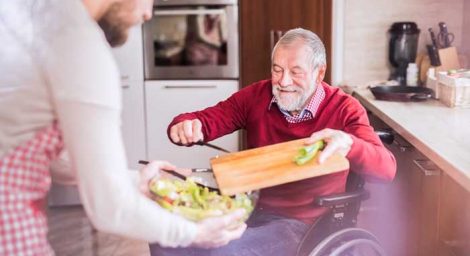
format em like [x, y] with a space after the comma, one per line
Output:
[129, 58]
[264, 21]
[431, 204]
[454, 219]
[133, 122]
[166, 99]
[404, 213]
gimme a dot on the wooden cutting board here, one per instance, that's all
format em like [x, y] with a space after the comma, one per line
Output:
[269, 166]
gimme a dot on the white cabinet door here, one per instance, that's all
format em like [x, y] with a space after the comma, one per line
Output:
[167, 99]
[133, 121]
[129, 56]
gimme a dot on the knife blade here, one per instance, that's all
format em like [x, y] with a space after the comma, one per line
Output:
[202, 143]
[144, 162]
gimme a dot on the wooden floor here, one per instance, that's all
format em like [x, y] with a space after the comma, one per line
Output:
[70, 233]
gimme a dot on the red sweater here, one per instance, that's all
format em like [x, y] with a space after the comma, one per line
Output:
[248, 109]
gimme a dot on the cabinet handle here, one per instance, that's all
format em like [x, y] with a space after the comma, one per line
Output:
[190, 86]
[125, 77]
[279, 35]
[274, 36]
[271, 38]
[125, 86]
[427, 167]
[402, 147]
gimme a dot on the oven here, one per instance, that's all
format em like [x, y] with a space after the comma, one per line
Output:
[192, 40]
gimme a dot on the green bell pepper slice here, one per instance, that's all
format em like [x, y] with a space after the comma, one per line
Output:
[307, 153]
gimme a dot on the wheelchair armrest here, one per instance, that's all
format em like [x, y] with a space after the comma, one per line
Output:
[342, 198]
[386, 136]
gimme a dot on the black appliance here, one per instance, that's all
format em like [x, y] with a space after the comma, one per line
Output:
[403, 46]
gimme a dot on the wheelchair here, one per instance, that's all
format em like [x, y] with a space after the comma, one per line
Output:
[335, 233]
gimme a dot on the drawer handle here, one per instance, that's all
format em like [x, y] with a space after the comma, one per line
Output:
[402, 147]
[427, 167]
[190, 86]
[125, 86]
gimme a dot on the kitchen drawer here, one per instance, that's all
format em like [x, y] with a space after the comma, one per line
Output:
[167, 99]
[454, 221]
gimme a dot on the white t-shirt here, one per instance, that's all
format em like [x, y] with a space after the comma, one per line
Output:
[55, 64]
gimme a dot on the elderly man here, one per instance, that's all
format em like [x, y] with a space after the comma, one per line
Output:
[294, 104]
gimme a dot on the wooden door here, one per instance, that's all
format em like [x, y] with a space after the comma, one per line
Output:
[262, 21]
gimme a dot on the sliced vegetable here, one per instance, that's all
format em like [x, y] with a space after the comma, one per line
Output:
[194, 202]
[307, 153]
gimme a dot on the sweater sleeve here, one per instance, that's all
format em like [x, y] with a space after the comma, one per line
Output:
[224, 118]
[368, 156]
[85, 91]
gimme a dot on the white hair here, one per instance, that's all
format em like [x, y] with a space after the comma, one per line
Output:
[316, 54]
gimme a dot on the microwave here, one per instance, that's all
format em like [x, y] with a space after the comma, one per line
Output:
[192, 40]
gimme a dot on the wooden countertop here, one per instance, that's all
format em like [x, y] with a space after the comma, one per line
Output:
[439, 132]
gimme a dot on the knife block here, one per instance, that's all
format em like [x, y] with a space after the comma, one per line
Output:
[449, 60]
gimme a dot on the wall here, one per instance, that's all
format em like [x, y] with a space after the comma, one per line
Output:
[466, 30]
[365, 37]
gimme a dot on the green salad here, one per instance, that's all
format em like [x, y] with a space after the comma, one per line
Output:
[194, 202]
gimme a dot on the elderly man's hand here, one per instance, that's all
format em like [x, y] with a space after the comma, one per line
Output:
[187, 132]
[337, 142]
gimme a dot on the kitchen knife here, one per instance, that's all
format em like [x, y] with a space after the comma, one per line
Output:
[144, 162]
[202, 143]
[433, 38]
[433, 50]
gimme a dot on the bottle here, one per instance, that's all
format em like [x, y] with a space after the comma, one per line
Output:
[412, 74]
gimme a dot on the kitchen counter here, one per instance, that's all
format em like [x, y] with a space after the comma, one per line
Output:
[439, 132]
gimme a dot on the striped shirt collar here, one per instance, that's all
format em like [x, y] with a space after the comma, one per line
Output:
[307, 113]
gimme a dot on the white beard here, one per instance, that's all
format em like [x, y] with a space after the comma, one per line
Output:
[295, 101]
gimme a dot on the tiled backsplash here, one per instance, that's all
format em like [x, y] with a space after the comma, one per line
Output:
[366, 23]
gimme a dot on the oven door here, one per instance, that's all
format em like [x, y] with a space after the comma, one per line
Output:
[192, 42]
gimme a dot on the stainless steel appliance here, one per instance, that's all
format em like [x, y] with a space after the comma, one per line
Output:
[192, 40]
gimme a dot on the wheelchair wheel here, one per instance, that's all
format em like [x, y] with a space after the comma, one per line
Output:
[346, 242]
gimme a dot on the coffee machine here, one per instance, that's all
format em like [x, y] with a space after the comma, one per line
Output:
[403, 46]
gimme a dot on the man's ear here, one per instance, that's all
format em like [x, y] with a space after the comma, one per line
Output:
[321, 74]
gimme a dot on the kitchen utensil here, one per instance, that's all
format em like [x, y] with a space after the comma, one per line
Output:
[401, 93]
[182, 177]
[202, 143]
[269, 166]
[433, 49]
[433, 53]
[433, 38]
[444, 38]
